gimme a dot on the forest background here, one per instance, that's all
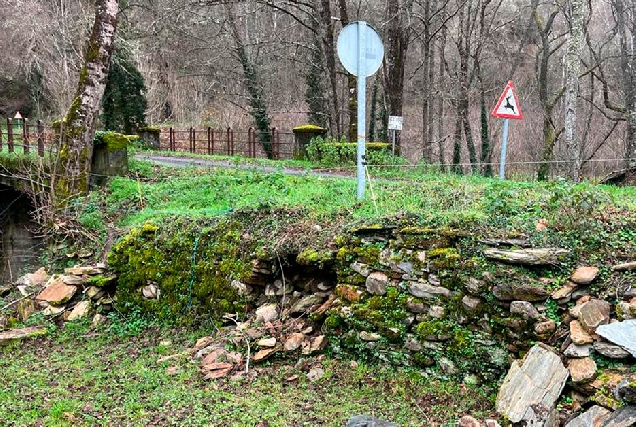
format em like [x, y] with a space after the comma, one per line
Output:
[267, 63]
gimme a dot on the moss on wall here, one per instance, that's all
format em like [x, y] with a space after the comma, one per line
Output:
[192, 264]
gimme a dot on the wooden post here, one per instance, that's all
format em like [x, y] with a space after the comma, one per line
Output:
[171, 139]
[40, 133]
[209, 141]
[229, 131]
[232, 145]
[250, 132]
[25, 136]
[212, 140]
[10, 134]
[275, 146]
[192, 140]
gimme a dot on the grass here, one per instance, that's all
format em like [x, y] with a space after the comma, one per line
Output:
[160, 191]
[78, 376]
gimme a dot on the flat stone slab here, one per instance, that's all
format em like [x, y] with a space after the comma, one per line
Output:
[19, 334]
[623, 417]
[57, 293]
[584, 275]
[536, 256]
[620, 333]
[532, 387]
[593, 417]
[424, 290]
[520, 292]
[368, 421]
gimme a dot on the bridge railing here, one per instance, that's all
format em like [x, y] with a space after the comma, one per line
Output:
[229, 142]
[22, 136]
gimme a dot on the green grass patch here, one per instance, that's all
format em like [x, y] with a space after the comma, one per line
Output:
[81, 377]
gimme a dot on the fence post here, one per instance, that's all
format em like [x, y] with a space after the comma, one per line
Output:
[25, 136]
[274, 147]
[229, 131]
[250, 133]
[209, 141]
[40, 133]
[10, 134]
[212, 139]
[192, 148]
[171, 139]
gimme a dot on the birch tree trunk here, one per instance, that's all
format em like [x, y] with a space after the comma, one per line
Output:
[77, 129]
[573, 68]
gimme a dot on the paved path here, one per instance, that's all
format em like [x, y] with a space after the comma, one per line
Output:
[182, 162]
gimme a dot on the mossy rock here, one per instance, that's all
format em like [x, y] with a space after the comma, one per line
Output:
[313, 129]
[414, 237]
[312, 257]
[193, 265]
[113, 141]
[444, 258]
[149, 129]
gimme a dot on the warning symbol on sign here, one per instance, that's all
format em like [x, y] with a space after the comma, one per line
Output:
[508, 105]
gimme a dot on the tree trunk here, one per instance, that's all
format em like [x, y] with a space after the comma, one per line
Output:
[486, 154]
[254, 87]
[352, 84]
[573, 67]
[440, 99]
[457, 141]
[628, 62]
[549, 130]
[330, 58]
[78, 127]
[397, 43]
[427, 85]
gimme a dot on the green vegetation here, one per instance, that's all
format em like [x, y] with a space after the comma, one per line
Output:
[327, 152]
[124, 102]
[111, 376]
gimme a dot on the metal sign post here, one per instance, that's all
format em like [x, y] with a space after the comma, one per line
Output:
[507, 108]
[362, 111]
[395, 124]
[361, 52]
[504, 148]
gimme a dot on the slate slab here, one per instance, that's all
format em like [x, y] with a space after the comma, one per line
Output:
[620, 333]
[623, 417]
[531, 388]
[18, 334]
[593, 417]
[368, 421]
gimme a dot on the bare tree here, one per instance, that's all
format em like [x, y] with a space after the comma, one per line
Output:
[78, 127]
[573, 66]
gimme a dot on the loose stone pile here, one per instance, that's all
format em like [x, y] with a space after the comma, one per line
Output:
[79, 292]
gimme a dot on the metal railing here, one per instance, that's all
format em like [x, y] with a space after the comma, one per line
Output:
[229, 142]
[20, 134]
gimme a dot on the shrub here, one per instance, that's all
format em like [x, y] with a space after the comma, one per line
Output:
[328, 152]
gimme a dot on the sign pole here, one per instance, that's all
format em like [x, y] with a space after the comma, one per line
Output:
[362, 87]
[393, 147]
[504, 148]
[361, 52]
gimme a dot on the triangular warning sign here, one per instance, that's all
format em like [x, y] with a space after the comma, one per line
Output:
[508, 105]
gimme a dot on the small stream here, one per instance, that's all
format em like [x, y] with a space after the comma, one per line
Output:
[20, 248]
